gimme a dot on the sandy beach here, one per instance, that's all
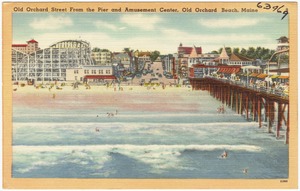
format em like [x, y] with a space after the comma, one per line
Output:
[127, 97]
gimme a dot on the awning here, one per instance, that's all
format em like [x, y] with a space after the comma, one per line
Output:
[236, 70]
[274, 76]
[107, 77]
[253, 74]
[283, 77]
[262, 75]
[251, 67]
[281, 70]
[220, 70]
[228, 70]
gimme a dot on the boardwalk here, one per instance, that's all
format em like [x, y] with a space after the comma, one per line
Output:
[260, 105]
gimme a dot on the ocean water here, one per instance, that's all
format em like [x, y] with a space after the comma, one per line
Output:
[151, 135]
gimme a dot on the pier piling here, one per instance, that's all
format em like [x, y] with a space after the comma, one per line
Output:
[254, 103]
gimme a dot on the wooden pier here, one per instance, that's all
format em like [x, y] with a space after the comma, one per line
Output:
[254, 104]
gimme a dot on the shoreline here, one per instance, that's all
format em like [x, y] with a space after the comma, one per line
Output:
[31, 89]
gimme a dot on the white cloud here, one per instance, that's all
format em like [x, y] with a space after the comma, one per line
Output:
[100, 24]
[212, 39]
[214, 42]
[51, 23]
[141, 21]
[166, 42]
[230, 23]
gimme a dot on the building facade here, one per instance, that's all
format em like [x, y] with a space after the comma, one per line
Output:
[187, 56]
[102, 58]
[124, 61]
[31, 46]
[283, 43]
[90, 74]
[236, 59]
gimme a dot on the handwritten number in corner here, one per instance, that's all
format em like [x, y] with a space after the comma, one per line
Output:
[276, 8]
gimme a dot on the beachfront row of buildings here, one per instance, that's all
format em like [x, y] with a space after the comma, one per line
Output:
[74, 60]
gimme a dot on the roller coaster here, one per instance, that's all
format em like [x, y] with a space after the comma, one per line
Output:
[50, 64]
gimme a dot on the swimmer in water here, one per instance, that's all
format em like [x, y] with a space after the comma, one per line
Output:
[224, 154]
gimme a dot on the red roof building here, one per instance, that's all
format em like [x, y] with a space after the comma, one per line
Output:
[31, 46]
[188, 50]
[187, 56]
[32, 41]
[19, 45]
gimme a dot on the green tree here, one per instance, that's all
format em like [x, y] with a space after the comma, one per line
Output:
[243, 52]
[154, 55]
[127, 50]
[236, 50]
[228, 50]
[105, 50]
[96, 49]
[252, 53]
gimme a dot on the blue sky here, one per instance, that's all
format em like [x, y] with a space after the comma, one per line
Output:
[148, 32]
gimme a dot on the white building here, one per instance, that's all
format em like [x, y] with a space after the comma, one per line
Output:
[283, 43]
[102, 58]
[236, 59]
[90, 74]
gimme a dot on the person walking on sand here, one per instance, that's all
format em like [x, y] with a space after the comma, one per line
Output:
[53, 96]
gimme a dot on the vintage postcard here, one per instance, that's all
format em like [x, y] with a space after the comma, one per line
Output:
[150, 95]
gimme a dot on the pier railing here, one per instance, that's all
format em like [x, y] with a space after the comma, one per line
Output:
[269, 90]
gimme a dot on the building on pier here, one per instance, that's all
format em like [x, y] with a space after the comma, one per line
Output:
[236, 59]
[223, 58]
[233, 59]
[222, 71]
[50, 64]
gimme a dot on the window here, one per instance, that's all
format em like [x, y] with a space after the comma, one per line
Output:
[100, 71]
[75, 71]
[107, 71]
[86, 71]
